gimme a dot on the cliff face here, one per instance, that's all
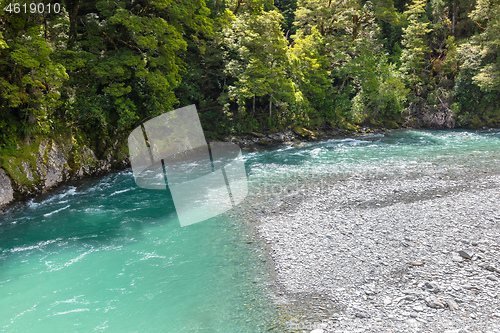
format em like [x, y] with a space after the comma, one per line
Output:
[47, 162]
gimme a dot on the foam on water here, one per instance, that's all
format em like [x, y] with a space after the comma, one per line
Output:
[112, 257]
[57, 210]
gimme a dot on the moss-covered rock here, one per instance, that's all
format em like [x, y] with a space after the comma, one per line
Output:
[297, 145]
[257, 135]
[305, 133]
[52, 161]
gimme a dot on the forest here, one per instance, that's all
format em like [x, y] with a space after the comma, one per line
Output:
[98, 68]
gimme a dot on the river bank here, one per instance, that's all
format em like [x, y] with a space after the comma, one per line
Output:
[405, 250]
[298, 135]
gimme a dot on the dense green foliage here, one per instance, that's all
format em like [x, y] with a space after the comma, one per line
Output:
[100, 67]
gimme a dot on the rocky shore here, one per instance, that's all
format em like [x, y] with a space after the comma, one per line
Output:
[401, 253]
[297, 135]
[45, 163]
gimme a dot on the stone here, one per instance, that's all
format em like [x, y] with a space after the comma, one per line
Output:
[435, 303]
[361, 315]
[416, 263]
[491, 268]
[305, 132]
[27, 171]
[319, 330]
[258, 135]
[418, 308]
[465, 255]
[88, 162]
[264, 142]
[452, 304]
[457, 258]
[432, 287]
[413, 323]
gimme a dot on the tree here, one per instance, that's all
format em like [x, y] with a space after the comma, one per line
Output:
[256, 61]
[414, 55]
[478, 86]
[361, 76]
[487, 13]
[31, 77]
[125, 62]
[309, 72]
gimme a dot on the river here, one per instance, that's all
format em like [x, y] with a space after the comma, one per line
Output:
[105, 255]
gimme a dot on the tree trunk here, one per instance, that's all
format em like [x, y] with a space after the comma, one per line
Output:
[238, 4]
[454, 17]
[270, 107]
[253, 114]
[73, 7]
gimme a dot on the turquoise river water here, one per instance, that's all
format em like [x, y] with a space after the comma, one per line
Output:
[104, 255]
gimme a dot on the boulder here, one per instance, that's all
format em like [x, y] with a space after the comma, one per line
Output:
[305, 133]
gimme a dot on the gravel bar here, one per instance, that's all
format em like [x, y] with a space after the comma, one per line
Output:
[381, 254]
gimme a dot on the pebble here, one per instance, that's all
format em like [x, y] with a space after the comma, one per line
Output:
[452, 304]
[418, 308]
[491, 268]
[434, 302]
[432, 287]
[361, 315]
[464, 255]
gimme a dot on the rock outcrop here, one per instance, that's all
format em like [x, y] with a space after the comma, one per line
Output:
[6, 190]
[48, 162]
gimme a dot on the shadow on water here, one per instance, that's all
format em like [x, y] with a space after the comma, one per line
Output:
[99, 211]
